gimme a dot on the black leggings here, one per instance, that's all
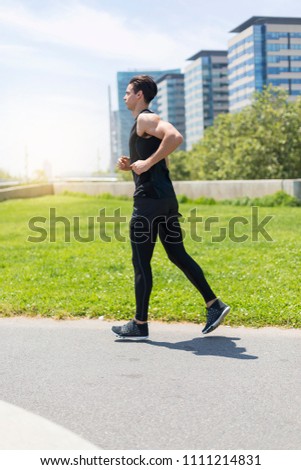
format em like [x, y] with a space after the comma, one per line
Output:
[144, 231]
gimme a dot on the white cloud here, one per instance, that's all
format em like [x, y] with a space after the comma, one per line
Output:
[98, 32]
[208, 37]
[13, 49]
[30, 57]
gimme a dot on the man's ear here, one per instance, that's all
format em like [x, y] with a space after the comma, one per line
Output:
[139, 94]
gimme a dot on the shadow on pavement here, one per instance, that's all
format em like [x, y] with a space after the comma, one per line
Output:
[208, 346]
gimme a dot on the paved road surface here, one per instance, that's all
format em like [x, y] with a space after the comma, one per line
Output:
[236, 388]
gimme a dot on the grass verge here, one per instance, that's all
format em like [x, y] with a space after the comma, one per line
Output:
[69, 277]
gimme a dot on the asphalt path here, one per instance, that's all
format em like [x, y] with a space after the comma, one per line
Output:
[236, 388]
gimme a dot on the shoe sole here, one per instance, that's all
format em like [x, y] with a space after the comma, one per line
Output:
[217, 322]
[131, 338]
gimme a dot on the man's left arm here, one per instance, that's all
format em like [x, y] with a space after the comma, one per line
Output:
[151, 124]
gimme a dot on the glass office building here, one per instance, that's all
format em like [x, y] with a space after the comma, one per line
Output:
[171, 101]
[206, 92]
[266, 50]
[125, 118]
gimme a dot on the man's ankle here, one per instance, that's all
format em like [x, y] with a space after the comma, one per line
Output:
[139, 322]
[211, 302]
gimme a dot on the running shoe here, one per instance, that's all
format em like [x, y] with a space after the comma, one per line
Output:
[131, 331]
[215, 315]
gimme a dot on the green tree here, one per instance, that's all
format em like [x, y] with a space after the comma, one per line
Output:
[4, 175]
[178, 166]
[39, 177]
[261, 141]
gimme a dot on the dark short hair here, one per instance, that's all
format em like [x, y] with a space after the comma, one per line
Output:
[146, 84]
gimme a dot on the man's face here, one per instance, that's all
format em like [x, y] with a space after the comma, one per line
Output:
[131, 98]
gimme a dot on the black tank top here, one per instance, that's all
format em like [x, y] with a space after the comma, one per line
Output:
[154, 183]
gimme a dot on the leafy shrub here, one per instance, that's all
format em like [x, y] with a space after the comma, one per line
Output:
[183, 199]
[280, 198]
[208, 201]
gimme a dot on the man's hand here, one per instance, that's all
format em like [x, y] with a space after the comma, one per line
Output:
[140, 166]
[124, 163]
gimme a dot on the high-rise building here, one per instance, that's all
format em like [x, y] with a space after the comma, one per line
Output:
[206, 92]
[266, 50]
[125, 118]
[171, 101]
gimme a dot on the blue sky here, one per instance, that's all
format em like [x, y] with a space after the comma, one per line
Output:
[57, 59]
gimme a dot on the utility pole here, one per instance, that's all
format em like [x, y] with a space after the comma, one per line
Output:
[112, 163]
[98, 161]
[26, 163]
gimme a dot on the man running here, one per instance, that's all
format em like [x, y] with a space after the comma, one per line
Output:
[155, 209]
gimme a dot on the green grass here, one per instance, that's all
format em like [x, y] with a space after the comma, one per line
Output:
[259, 279]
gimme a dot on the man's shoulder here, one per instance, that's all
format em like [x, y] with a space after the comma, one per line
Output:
[148, 116]
[147, 123]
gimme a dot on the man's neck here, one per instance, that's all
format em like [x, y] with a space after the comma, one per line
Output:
[140, 107]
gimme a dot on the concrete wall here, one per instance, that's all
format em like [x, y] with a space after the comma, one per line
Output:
[237, 188]
[20, 192]
[116, 188]
[193, 189]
